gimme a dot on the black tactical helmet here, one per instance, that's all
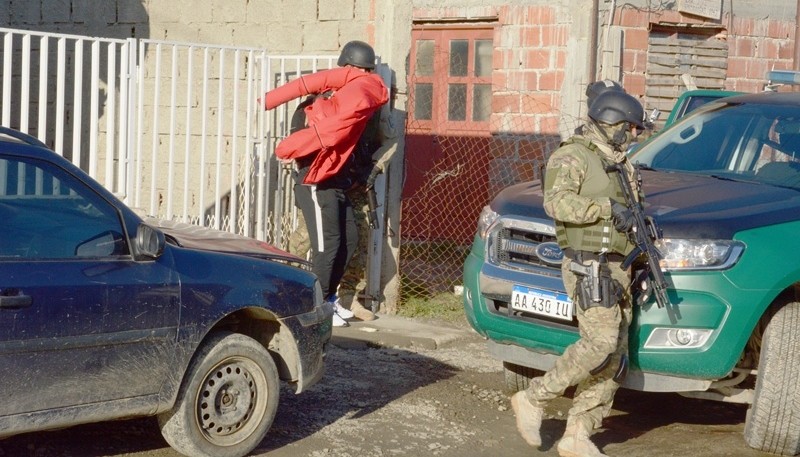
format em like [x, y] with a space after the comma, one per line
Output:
[599, 87]
[612, 107]
[357, 54]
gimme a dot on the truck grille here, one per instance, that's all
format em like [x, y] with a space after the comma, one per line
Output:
[523, 249]
[527, 246]
[518, 246]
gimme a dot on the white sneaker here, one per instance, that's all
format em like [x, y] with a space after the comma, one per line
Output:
[343, 312]
[339, 322]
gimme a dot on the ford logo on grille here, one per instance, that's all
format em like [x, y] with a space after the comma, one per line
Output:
[550, 253]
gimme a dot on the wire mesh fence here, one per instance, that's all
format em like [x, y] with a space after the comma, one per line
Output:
[453, 172]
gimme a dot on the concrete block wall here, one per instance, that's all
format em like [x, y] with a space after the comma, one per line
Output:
[280, 26]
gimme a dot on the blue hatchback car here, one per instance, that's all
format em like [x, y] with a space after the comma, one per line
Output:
[106, 315]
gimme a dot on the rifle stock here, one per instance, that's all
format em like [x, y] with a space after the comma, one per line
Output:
[642, 235]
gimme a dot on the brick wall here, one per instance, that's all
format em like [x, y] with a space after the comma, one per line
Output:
[530, 52]
[755, 45]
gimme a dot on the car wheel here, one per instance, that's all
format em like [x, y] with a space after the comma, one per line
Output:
[773, 421]
[227, 401]
[518, 377]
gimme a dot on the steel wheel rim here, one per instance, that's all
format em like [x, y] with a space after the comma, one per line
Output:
[230, 404]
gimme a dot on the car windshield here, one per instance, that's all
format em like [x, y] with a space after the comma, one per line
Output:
[743, 141]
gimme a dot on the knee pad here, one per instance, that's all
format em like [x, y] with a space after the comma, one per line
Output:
[602, 366]
[622, 370]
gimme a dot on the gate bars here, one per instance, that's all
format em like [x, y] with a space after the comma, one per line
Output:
[173, 128]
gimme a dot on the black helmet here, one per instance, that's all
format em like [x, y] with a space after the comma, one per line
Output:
[600, 87]
[357, 54]
[612, 107]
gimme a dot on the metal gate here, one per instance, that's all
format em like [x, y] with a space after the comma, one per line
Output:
[204, 144]
[73, 94]
[174, 129]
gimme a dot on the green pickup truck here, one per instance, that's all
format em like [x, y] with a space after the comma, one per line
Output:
[723, 184]
[690, 100]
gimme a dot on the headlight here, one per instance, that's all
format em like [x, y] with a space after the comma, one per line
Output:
[485, 220]
[698, 254]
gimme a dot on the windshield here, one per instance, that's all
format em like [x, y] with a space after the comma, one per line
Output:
[750, 142]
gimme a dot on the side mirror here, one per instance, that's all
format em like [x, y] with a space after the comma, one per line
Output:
[654, 115]
[149, 242]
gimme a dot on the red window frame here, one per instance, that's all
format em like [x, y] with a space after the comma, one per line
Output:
[441, 79]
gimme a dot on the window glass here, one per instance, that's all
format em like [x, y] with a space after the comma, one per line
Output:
[459, 51]
[423, 99]
[48, 214]
[481, 102]
[457, 102]
[424, 63]
[483, 58]
[742, 141]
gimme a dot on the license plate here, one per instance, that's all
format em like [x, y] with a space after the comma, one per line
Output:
[541, 302]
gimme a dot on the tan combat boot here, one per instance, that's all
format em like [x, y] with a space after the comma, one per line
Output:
[360, 312]
[576, 443]
[529, 418]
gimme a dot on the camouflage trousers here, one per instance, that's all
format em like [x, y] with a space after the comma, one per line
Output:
[603, 332]
[354, 281]
[299, 242]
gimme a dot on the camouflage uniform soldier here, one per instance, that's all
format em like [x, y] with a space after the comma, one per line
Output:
[378, 143]
[591, 226]
[354, 282]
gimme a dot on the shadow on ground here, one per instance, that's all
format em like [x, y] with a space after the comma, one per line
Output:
[357, 382]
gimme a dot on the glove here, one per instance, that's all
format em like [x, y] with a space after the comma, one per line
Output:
[622, 217]
[373, 175]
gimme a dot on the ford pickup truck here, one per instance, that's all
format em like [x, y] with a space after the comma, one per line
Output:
[723, 185]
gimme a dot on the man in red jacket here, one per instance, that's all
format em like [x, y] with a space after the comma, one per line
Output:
[346, 98]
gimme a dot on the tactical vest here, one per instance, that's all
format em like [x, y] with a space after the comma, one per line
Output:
[598, 236]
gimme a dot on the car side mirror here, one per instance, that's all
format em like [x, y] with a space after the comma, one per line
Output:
[149, 242]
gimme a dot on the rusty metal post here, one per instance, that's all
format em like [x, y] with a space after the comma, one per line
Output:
[796, 63]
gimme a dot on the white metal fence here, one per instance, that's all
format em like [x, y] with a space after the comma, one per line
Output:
[173, 128]
[72, 93]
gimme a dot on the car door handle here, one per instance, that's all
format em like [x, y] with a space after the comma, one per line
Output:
[15, 302]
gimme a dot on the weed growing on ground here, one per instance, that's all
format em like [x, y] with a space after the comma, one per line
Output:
[445, 306]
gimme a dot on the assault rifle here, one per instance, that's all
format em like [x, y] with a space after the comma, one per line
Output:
[642, 235]
[372, 208]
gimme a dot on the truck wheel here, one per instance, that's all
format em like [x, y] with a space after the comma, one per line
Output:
[227, 399]
[518, 377]
[773, 420]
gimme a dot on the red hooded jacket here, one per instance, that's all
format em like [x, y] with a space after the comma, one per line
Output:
[334, 124]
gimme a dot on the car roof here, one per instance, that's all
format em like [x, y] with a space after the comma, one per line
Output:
[766, 98]
[17, 142]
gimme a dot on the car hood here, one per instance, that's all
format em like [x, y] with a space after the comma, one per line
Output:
[684, 205]
[696, 206]
[523, 199]
[207, 239]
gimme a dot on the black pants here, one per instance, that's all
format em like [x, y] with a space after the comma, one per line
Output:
[331, 228]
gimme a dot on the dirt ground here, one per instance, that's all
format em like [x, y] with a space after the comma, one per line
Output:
[414, 402]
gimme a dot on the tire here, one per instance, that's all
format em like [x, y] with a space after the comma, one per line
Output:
[227, 401]
[518, 377]
[773, 420]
